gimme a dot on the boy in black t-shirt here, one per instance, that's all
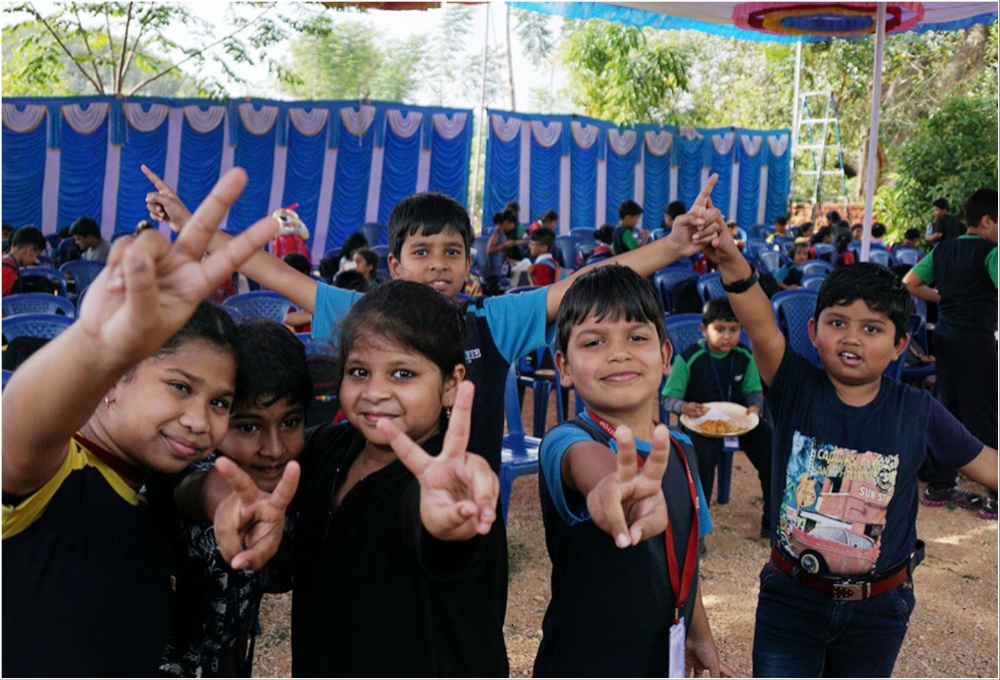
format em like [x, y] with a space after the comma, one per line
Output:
[848, 444]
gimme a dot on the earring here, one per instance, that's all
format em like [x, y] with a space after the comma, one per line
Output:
[447, 412]
[107, 402]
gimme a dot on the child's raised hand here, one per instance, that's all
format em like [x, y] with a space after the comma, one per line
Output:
[249, 523]
[700, 224]
[458, 490]
[629, 504]
[150, 287]
[163, 204]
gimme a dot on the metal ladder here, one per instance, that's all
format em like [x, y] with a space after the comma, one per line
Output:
[810, 159]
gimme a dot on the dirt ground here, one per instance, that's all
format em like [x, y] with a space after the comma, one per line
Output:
[953, 629]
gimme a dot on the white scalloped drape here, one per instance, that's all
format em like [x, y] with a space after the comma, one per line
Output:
[146, 121]
[505, 132]
[689, 133]
[22, 121]
[357, 122]
[447, 126]
[309, 123]
[621, 142]
[546, 135]
[258, 122]
[659, 143]
[204, 120]
[751, 144]
[723, 144]
[404, 125]
[584, 135]
[85, 121]
[778, 144]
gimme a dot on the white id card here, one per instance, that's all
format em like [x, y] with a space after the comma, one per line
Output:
[677, 658]
[732, 442]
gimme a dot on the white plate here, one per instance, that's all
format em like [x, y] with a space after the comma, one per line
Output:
[723, 410]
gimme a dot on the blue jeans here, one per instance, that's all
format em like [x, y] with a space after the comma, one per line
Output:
[803, 633]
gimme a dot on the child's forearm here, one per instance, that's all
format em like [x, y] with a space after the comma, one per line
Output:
[273, 274]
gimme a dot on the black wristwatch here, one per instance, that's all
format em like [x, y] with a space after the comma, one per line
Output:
[744, 285]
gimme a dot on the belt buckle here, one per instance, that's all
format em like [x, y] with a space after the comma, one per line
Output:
[851, 592]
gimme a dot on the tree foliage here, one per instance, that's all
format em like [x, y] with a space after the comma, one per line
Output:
[621, 73]
[125, 48]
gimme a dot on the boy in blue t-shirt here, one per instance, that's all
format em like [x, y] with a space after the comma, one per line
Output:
[718, 368]
[622, 589]
[790, 274]
[848, 444]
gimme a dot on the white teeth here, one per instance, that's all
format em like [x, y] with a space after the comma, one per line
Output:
[849, 355]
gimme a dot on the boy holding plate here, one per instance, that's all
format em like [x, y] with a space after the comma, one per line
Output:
[717, 368]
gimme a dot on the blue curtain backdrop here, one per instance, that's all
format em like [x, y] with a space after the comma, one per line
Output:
[621, 181]
[192, 157]
[689, 157]
[749, 200]
[779, 177]
[149, 148]
[24, 175]
[583, 187]
[503, 173]
[656, 179]
[545, 178]
[81, 174]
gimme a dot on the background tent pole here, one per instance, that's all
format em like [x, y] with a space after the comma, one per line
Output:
[796, 112]
[482, 118]
[871, 166]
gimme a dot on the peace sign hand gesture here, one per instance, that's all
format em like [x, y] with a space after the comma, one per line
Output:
[458, 490]
[699, 225]
[249, 523]
[629, 504]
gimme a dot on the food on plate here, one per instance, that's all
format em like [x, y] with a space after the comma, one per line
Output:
[725, 426]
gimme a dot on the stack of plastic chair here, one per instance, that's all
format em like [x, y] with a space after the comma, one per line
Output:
[908, 255]
[667, 278]
[519, 455]
[813, 281]
[821, 267]
[37, 303]
[264, 303]
[83, 273]
[45, 326]
[710, 286]
[43, 279]
[792, 311]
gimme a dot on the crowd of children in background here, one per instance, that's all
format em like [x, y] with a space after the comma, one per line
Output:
[186, 435]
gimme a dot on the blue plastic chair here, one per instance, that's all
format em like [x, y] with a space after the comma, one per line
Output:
[264, 303]
[813, 281]
[37, 303]
[83, 273]
[658, 233]
[882, 257]
[908, 256]
[710, 286]
[825, 251]
[816, 267]
[792, 311]
[564, 251]
[55, 278]
[895, 368]
[584, 249]
[519, 455]
[35, 326]
[770, 261]
[375, 233]
[316, 346]
[667, 278]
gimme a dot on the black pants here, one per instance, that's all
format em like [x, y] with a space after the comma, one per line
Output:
[966, 371]
[756, 444]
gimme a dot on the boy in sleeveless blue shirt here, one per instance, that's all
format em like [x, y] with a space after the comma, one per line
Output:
[836, 596]
[624, 593]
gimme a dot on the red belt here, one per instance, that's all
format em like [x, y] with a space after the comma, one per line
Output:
[844, 590]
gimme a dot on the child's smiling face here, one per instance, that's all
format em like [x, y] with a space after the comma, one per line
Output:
[262, 439]
[439, 260]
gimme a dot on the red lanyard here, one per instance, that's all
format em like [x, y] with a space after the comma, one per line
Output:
[680, 582]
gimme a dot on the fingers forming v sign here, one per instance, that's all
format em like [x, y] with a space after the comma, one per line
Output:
[250, 523]
[458, 490]
[629, 503]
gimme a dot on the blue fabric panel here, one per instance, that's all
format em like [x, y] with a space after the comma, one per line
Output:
[255, 154]
[656, 179]
[350, 185]
[621, 181]
[399, 177]
[545, 177]
[148, 148]
[779, 179]
[689, 158]
[200, 162]
[55, 125]
[749, 196]
[304, 176]
[722, 164]
[583, 187]
[23, 175]
[119, 128]
[503, 173]
[450, 164]
[82, 165]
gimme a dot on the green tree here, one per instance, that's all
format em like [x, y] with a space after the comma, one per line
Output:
[124, 48]
[951, 153]
[621, 73]
[334, 60]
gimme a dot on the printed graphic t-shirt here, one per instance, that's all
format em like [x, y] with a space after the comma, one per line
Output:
[844, 484]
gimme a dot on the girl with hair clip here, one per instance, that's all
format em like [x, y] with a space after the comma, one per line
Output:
[396, 537]
[140, 384]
